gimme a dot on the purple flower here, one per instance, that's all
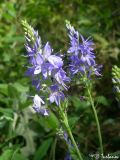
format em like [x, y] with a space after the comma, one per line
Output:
[70, 146]
[86, 46]
[68, 156]
[30, 71]
[38, 107]
[76, 65]
[66, 138]
[61, 78]
[56, 95]
[33, 45]
[45, 69]
[74, 46]
[36, 83]
[82, 57]
[43, 62]
[97, 69]
[74, 39]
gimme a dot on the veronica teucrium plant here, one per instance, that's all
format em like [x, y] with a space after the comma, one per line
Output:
[46, 70]
[83, 65]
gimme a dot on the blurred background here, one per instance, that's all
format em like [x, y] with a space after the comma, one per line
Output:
[25, 136]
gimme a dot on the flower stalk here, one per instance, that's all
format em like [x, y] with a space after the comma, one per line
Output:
[96, 119]
[67, 127]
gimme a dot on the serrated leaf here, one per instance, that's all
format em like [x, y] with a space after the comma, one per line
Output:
[115, 154]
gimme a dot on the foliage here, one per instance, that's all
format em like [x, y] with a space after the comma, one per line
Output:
[24, 135]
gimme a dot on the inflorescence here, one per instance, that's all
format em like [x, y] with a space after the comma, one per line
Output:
[81, 54]
[46, 68]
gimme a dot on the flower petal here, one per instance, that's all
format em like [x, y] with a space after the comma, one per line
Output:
[55, 61]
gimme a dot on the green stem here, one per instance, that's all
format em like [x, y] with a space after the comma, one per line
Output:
[54, 146]
[97, 121]
[65, 121]
[74, 143]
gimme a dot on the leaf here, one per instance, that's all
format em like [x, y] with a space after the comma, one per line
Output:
[50, 122]
[11, 154]
[20, 88]
[73, 121]
[6, 155]
[42, 150]
[4, 89]
[80, 105]
[102, 100]
[18, 156]
[117, 153]
[101, 39]
[7, 113]
[13, 93]
[84, 21]
[24, 130]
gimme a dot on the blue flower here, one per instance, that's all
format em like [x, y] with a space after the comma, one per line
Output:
[45, 69]
[61, 78]
[86, 46]
[43, 62]
[36, 83]
[74, 39]
[56, 95]
[37, 106]
[32, 46]
[81, 55]
[68, 156]
[70, 146]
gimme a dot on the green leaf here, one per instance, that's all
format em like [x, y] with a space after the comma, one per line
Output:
[28, 134]
[18, 156]
[42, 150]
[101, 39]
[73, 121]
[4, 89]
[7, 114]
[117, 153]
[20, 88]
[7, 154]
[80, 105]
[13, 93]
[102, 100]
[50, 122]
[11, 154]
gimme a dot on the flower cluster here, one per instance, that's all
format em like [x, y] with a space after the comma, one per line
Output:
[45, 69]
[82, 57]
